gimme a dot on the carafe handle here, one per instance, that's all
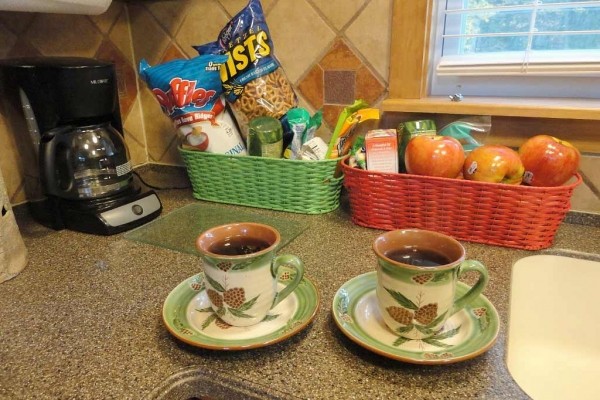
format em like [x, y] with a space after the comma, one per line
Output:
[49, 144]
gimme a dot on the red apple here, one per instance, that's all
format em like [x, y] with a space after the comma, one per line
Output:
[494, 163]
[548, 161]
[429, 155]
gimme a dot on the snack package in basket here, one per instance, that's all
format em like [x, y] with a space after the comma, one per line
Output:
[471, 132]
[303, 127]
[254, 82]
[354, 121]
[190, 93]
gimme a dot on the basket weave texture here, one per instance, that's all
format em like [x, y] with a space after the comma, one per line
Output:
[306, 187]
[517, 216]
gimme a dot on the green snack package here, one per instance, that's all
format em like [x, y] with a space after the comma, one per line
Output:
[313, 125]
[469, 131]
[358, 154]
[332, 150]
[298, 119]
[408, 130]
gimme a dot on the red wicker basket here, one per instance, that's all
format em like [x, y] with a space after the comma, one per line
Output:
[517, 216]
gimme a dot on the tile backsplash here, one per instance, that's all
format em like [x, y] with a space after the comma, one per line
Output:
[333, 51]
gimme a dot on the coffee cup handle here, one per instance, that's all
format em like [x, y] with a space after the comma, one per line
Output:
[289, 261]
[475, 291]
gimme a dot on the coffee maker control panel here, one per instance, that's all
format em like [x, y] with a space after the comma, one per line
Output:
[132, 211]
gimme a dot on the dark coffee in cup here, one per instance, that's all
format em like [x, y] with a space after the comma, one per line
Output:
[418, 270]
[418, 257]
[242, 271]
[238, 246]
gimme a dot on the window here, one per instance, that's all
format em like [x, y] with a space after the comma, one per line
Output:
[529, 48]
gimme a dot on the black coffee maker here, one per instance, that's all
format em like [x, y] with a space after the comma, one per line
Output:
[79, 175]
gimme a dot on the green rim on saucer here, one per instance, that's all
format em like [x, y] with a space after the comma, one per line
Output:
[467, 334]
[188, 316]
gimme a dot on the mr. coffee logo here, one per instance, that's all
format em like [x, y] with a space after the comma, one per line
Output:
[181, 93]
[244, 52]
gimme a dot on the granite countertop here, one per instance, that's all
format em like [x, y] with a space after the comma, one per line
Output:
[83, 320]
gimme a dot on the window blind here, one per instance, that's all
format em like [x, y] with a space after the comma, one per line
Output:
[515, 37]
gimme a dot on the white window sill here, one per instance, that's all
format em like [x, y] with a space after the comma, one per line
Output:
[587, 109]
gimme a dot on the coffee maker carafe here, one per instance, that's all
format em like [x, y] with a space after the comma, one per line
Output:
[83, 178]
[85, 162]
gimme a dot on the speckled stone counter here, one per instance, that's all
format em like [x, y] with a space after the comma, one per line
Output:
[83, 320]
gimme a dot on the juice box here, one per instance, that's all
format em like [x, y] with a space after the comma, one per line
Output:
[381, 147]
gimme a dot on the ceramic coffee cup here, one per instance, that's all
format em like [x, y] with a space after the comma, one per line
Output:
[241, 269]
[417, 274]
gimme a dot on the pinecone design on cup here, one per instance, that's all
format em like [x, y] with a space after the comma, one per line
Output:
[224, 266]
[479, 312]
[422, 279]
[400, 315]
[222, 324]
[215, 298]
[426, 314]
[235, 297]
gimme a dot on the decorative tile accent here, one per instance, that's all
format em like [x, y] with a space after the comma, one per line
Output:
[331, 113]
[340, 57]
[368, 87]
[312, 86]
[338, 79]
[339, 87]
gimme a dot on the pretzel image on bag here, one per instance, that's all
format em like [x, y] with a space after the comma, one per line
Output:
[253, 80]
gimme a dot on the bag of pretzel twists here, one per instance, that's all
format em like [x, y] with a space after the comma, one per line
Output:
[190, 93]
[253, 79]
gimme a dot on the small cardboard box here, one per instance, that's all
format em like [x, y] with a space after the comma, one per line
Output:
[381, 147]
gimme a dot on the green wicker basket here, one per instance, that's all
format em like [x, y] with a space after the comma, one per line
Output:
[307, 187]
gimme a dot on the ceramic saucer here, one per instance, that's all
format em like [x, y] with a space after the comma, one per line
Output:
[188, 316]
[466, 334]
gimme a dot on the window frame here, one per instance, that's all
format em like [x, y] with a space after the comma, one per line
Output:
[407, 90]
[408, 76]
[566, 80]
